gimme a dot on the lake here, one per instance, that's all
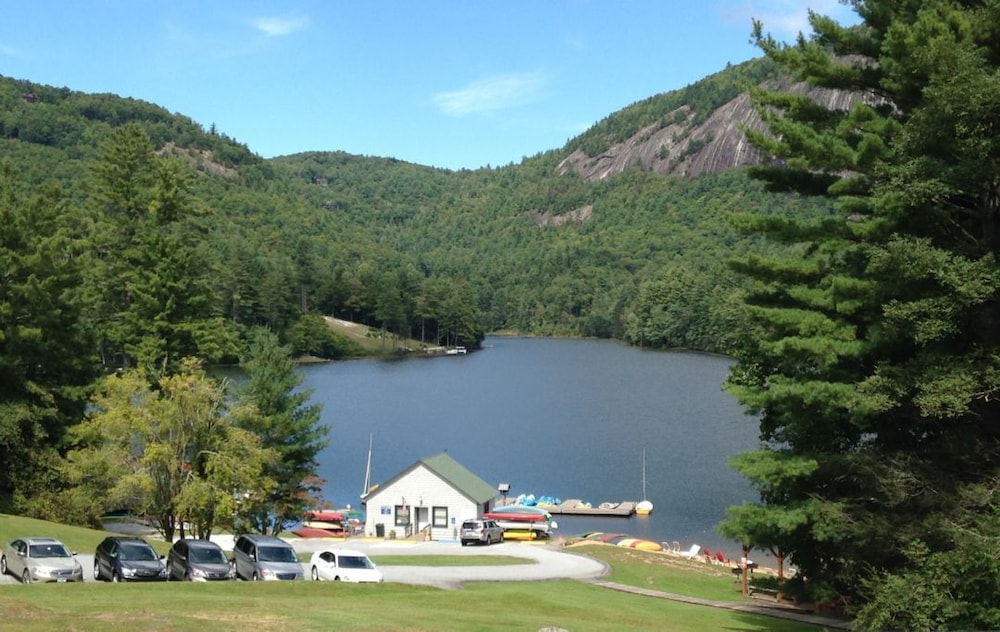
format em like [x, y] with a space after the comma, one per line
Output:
[557, 417]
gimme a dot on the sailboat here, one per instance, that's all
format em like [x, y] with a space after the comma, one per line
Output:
[644, 507]
[368, 472]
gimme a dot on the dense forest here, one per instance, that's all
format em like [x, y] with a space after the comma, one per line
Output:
[851, 272]
[429, 254]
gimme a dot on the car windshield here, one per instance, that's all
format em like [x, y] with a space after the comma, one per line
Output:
[355, 561]
[277, 554]
[208, 555]
[136, 553]
[48, 550]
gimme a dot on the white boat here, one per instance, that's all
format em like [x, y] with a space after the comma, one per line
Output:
[644, 507]
[456, 351]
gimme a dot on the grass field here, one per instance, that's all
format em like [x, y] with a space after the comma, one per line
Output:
[570, 605]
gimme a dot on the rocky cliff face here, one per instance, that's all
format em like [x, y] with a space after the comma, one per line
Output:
[688, 149]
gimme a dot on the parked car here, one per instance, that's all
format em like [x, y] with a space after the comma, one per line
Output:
[40, 560]
[265, 557]
[484, 530]
[343, 565]
[198, 561]
[127, 559]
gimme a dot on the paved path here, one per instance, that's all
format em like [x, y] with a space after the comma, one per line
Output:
[775, 610]
[546, 561]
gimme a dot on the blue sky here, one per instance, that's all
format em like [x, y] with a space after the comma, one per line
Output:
[453, 84]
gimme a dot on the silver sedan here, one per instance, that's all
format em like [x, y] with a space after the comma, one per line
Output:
[40, 560]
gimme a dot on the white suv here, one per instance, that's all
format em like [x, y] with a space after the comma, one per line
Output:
[481, 530]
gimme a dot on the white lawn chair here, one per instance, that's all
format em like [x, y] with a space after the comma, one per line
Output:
[692, 552]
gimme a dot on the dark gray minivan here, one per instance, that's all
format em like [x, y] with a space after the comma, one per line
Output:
[265, 557]
[198, 561]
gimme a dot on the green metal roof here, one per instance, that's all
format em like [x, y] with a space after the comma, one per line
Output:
[460, 477]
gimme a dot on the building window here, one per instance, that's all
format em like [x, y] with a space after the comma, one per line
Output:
[440, 516]
[402, 515]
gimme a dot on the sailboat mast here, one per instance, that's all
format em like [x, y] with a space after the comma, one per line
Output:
[644, 506]
[644, 473]
[368, 469]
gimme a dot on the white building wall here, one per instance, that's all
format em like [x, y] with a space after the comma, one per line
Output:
[420, 488]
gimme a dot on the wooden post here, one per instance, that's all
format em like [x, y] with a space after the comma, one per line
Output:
[745, 565]
[781, 573]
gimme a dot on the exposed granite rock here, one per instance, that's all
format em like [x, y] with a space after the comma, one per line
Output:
[684, 149]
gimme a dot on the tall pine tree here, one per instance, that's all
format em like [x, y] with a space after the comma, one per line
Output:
[46, 360]
[286, 423]
[875, 359]
[153, 299]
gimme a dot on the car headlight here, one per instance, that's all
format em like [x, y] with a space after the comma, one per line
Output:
[128, 572]
[268, 573]
[197, 573]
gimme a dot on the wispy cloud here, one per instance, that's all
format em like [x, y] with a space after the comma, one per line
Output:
[278, 27]
[785, 19]
[8, 51]
[493, 93]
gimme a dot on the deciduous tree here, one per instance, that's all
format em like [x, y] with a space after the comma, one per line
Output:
[172, 452]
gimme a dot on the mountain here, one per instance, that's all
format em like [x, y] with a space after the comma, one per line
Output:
[700, 130]
[624, 232]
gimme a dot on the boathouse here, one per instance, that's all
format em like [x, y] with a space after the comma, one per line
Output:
[430, 498]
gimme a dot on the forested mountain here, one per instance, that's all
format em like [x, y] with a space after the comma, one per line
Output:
[852, 274]
[636, 248]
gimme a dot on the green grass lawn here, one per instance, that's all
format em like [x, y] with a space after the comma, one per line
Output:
[571, 605]
[668, 573]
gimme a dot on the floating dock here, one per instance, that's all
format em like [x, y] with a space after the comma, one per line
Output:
[574, 507]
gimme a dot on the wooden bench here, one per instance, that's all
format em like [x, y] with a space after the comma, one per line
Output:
[770, 592]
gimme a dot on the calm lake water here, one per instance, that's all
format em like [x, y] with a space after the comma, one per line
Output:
[563, 418]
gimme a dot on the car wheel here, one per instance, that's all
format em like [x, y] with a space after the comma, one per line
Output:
[465, 543]
[25, 577]
[97, 571]
[3, 564]
[337, 578]
[255, 577]
[315, 574]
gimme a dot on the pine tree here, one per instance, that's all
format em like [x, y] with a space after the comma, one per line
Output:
[875, 359]
[286, 423]
[154, 302]
[46, 360]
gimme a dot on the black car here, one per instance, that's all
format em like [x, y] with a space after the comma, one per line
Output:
[126, 559]
[198, 561]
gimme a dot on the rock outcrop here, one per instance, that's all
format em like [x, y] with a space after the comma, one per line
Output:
[686, 148]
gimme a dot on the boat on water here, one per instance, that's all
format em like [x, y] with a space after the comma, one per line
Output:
[644, 507]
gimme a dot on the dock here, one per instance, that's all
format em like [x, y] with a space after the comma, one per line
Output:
[574, 507]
